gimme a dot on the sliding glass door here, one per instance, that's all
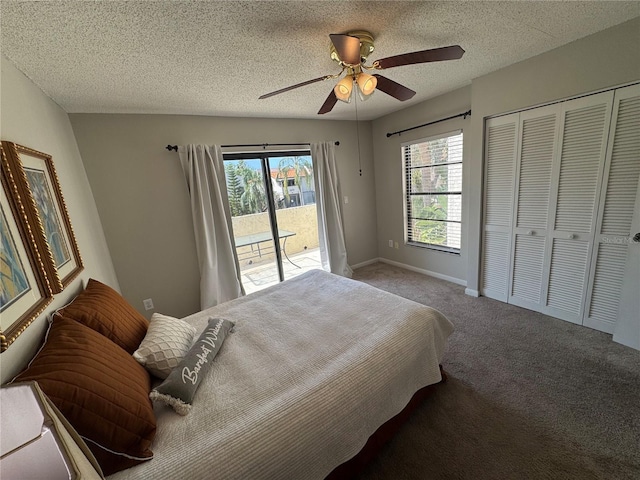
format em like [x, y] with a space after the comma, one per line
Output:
[272, 202]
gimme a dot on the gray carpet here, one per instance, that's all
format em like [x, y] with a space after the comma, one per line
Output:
[528, 396]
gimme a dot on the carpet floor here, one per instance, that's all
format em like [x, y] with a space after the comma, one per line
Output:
[528, 396]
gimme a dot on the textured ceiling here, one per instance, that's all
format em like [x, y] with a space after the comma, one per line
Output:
[217, 58]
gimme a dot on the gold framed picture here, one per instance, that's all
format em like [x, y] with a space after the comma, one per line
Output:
[24, 288]
[46, 212]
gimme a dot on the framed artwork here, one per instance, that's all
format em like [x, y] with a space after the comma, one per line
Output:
[46, 212]
[24, 288]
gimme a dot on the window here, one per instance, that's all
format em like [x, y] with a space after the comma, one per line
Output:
[273, 242]
[291, 174]
[433, 192]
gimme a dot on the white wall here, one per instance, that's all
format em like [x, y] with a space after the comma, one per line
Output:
[30, 118]
[143, 201]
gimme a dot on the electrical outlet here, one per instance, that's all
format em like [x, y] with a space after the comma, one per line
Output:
[396, 245]
[148, 304]
[391, 243]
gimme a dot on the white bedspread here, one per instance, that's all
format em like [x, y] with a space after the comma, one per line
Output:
[315, 365]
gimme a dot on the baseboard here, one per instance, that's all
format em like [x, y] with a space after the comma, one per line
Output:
[627, 342]
[603, 326]
[457, 281]
[365, 263]
[472, 293]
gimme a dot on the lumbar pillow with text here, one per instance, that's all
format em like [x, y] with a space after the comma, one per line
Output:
[180, 386]
[164, 346]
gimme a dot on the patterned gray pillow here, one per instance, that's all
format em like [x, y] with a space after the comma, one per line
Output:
[179, 388]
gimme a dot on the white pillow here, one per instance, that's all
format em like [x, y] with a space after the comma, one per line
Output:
[166, 343]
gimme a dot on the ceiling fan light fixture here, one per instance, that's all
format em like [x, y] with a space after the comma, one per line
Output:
[362, 96]
[343, 89]
[350, 51]
[367, 84]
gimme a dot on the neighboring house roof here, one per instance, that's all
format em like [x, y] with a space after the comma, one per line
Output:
[291, 173]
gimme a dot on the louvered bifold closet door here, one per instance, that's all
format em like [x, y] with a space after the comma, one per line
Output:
[620, 185]
[575, 198]
[538, 136]
[500, 161]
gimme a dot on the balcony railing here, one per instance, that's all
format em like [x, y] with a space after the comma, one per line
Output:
[298, 228]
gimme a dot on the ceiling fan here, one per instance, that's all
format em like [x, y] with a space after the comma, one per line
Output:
[350, 51]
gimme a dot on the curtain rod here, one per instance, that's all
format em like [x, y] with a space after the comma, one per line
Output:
[263, 145]
[465, 114]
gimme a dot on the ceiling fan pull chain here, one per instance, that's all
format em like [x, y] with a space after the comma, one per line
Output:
[358, 131]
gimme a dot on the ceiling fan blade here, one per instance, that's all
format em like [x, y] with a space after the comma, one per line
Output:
[452, 52]
[348, 48]
[329, 103]
[394, 89]
[292, 87]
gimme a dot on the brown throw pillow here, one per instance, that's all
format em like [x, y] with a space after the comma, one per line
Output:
[100, 389]
[102, 309]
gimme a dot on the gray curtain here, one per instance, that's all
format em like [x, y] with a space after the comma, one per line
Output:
[333, 251]
[203, 169]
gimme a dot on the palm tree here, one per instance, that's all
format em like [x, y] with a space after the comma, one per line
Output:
[254, 198]
[299, 166]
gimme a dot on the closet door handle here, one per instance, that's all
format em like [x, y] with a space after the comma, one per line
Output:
[531, 232]
[571, 236]
[636, 237]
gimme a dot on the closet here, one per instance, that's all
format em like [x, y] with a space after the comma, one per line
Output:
[560, 189]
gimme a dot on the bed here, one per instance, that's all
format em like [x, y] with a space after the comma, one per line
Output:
[313, 367]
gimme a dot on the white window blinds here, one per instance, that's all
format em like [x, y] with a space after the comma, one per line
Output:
[433, 192]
